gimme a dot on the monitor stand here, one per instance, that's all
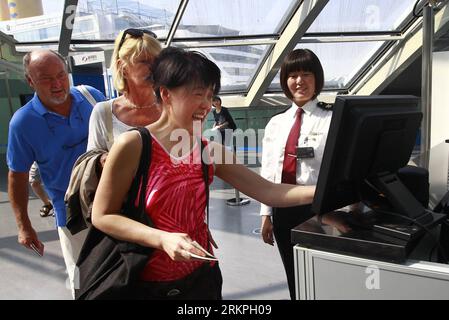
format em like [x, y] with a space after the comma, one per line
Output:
[403, 217]
[404, 229]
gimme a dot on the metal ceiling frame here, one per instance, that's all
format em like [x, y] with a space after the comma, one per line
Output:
[301, 17]
[400, 56]
[68, 21]
[291, 35]
[244, 40]
[177, 20]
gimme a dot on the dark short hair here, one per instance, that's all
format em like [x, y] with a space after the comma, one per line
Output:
[176, 67]
[216, 98]
[302, 60]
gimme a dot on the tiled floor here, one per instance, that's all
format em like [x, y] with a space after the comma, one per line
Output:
[251, 269]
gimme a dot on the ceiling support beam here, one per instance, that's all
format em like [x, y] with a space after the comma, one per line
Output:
[68, 20]
[176, 21]
[400, 57]
[294, 30]
[426, 82]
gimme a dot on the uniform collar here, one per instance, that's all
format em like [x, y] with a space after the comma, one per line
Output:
[308, 108]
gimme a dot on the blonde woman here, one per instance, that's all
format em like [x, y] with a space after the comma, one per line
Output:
[134, 52]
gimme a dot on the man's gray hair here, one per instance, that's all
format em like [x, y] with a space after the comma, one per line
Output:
[27, 60]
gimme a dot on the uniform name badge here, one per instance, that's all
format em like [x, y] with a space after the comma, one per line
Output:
[305, 152]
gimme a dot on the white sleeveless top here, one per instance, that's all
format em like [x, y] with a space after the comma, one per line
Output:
[98, 132]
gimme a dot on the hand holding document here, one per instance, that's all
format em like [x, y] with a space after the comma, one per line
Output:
[208, 257]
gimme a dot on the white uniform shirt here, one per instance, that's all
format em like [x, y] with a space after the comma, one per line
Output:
[314, 128]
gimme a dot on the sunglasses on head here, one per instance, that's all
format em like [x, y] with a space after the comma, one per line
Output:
[135, 33]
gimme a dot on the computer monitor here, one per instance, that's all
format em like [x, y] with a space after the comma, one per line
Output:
[370, 138]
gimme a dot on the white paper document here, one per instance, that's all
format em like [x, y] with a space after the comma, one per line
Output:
[208, 256]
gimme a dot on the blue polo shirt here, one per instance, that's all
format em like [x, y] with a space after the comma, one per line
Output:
[53, 141]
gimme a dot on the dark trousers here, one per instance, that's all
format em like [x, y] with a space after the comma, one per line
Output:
[285, 219]
[205, 283]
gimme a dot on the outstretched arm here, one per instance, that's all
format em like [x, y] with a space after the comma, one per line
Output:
[253, 185]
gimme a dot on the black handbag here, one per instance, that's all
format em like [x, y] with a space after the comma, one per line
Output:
[108, 268]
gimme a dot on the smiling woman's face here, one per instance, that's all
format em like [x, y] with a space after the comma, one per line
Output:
[302, 86]
[189, 105]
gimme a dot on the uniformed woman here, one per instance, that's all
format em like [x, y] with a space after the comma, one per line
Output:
[293, 147]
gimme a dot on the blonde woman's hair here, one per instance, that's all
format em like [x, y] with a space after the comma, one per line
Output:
[131, 48]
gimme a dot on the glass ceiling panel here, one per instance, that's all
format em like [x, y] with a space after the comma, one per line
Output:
[362, 15]
[237, 64]
[34, 21]
[233, 17]
[104, 19]
[341, 61]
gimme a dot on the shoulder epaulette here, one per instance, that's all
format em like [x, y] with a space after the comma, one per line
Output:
[325, 106]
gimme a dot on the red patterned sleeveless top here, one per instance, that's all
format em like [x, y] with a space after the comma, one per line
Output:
[176, 202]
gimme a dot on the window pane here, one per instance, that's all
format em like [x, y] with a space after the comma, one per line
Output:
[237, 64]
[36, 22]
[233, 17]
[104, 19]
[340, 61]
[362, 15]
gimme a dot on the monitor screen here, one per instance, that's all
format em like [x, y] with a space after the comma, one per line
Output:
[370, 138]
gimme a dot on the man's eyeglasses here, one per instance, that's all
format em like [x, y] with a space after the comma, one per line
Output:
[135, 33]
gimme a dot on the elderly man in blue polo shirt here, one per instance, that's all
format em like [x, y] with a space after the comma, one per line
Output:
[51, 129]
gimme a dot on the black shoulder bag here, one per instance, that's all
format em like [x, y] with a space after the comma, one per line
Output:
[109, 267]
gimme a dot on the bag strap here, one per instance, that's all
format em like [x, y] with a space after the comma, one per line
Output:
[108, 112]
[140, 180]
[83, 90]
[205, 169]
[142, 170]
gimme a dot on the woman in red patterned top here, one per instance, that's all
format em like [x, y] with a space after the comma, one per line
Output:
[184, 83]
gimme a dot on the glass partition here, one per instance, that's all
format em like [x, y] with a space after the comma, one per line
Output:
[341, 61]
[238, 64]
[104, 19]
[362, 15]
[234, 17]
